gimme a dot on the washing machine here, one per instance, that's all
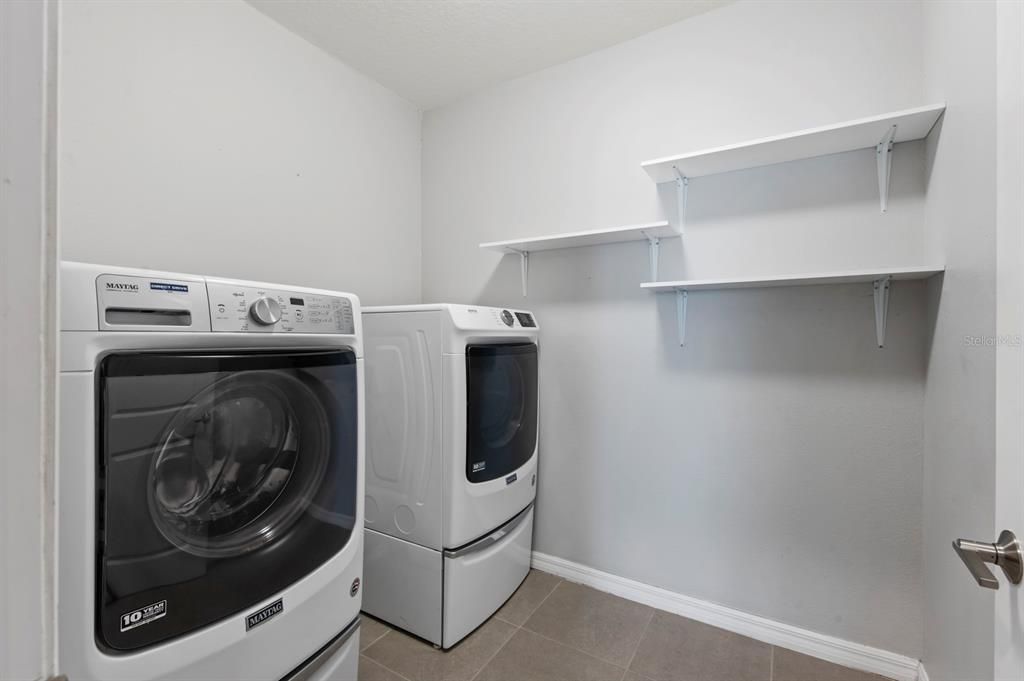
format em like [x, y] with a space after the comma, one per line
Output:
[209, 478]
[452, 419]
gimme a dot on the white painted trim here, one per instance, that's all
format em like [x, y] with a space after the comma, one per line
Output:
[1008, 649]
[836, 650]
[28, 271]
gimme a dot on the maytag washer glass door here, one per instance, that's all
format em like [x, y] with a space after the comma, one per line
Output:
[223, 479]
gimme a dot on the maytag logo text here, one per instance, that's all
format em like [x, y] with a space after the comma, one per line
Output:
[258, 618]
[127, 287]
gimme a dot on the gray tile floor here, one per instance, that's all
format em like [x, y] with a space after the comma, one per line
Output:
[553, 630]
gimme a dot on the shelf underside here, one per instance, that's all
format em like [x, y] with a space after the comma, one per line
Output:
[848, 277]
[595, 237]
[863, 133]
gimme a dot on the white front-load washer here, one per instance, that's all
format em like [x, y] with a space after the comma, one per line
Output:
[209, 478]
[452, 423]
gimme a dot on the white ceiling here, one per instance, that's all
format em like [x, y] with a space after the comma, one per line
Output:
[434, 51]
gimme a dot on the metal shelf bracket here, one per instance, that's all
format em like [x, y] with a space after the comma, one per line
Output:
[653, 247]
[524, 268]
[883, 157]
[881, 308]
[682, 189]
[681, 297]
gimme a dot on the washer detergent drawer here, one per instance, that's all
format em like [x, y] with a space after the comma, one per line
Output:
[479, 578]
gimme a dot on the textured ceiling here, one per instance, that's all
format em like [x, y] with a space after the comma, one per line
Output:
[434, 51]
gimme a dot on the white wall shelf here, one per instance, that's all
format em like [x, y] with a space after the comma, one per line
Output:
[880, 132]
[651, 232]
[879, 278]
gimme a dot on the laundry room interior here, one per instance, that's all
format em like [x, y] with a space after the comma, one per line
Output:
[410, 340]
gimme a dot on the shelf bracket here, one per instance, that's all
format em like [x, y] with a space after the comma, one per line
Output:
[654, 247]
[883, 157]
[524, 268]
[681, 297]
[881, 308]
[682, 189]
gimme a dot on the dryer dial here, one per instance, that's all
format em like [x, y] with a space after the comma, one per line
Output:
[506, 317]
[265, 311]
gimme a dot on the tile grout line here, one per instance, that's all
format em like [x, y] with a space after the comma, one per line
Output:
[362, 653]
[543, 601]
[641, 639]
[376, 640]
[491, 658]
[381, 664]
[518, 628]
[574, 648]
[599, 581]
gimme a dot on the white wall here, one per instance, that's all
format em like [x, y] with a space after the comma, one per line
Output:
[774, 464]
[28, 269]
[960, 407]
[203, 137]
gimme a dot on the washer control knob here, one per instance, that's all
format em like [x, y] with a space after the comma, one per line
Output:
[506, 317]
[265, 311]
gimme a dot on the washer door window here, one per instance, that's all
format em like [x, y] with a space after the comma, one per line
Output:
[501, 410]
[223, 480]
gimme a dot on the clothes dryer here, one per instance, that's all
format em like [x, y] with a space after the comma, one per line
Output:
[452, 419]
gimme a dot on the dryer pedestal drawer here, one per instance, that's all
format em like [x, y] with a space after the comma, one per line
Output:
[479, 578]
[402, 585]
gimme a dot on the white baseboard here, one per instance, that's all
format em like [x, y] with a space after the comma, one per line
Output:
[830, 648]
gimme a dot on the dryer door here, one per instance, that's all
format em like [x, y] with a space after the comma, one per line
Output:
[501, 409]
[223, 480]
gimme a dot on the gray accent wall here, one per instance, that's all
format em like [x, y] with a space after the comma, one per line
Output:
[775, 463]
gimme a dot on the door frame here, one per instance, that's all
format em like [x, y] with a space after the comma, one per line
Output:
[1009, 484]
[28, 320]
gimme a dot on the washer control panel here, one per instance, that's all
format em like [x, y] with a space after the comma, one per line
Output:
[265, 310]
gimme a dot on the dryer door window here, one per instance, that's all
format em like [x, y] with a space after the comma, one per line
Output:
[223, 480]
[501, 409]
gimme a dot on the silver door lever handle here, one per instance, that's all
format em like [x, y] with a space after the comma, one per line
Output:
[1006, 553]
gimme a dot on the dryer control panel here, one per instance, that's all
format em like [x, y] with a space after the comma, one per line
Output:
[511, 319]
[474, 318]
[235, 308]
